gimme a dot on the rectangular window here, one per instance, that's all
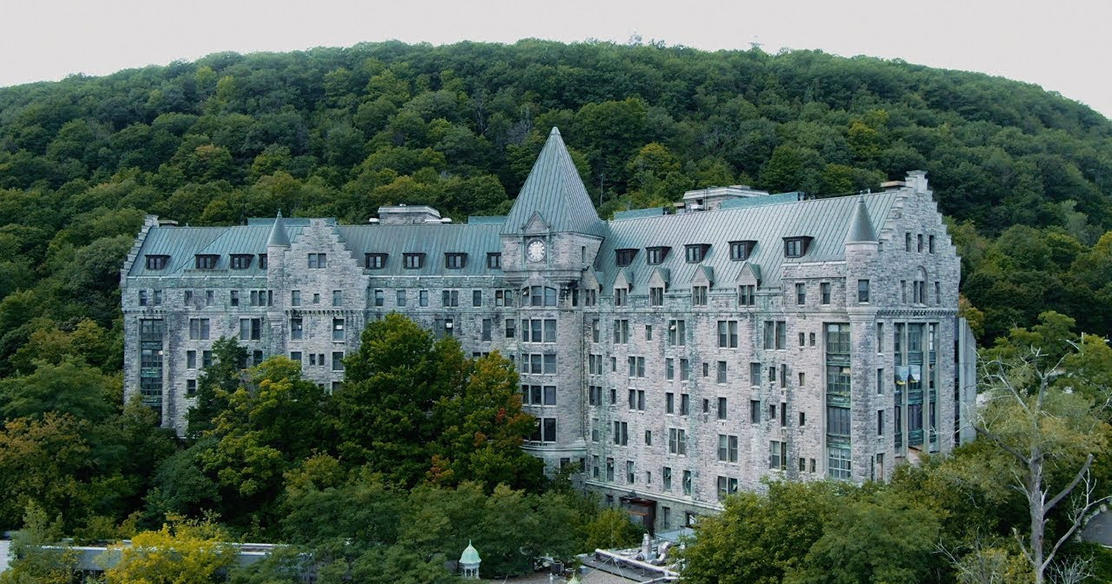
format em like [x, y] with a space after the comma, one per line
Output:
[727, 334]
[669, 369]
[206, 359]
[190, 387]
[696, 252]
[191, 359]
[143, 298]
[747, 295]
[800, 294]
[250, 329]
[337, 361]
[754, 374]
[666, 478]
[187, 297]
[455, 261]
[629, 472]
[476, 298]
[503, 298]
[677, 441]
[862, 291]
[399, 298]
[413, 261]
[494, 260]
[781, 334]
[669, 403]
[263, 261]
[620, 297]
[721, 372]
[374, 261]
[656, 296]
[930, 241]
[295, 356]
[698, 295]
[919, 243]
[296, 331]
[206, 262]
[880, 422]
[338, 297]
[488, 326]
[740, 250]
[157, 262]
[621, 332]
[295, 297]
[318, 261]
[423, 298]
[907, 241]
[685, 404]
[198, 329]
[880, 381]
[838, 462]
[685, 370]
[777, 455]
[337, 329]
[677, 333]
[241, 261]
[210, 297]
[687, 487]
[656, 254]
[937, 293]
[621, 433]
[754, 411]
[721, 408]
[449, 298]
[796, 247]
[624, 257]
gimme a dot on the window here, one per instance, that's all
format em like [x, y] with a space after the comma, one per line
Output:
[399, 298]
[800, 294]
[655, 255]
[413, 261]
[648, 439]
[937, 293]
[919, 243]
[590, 297]
[669, 369]
[727, 334]
[250, 329]
[337, 361]
[837, 421]
[488, 326]
[721, 408]
[191, 359]
[510, 332]
[546, 432]
[449, 298]
[698, 295]
[198, 329]
[503, 297]
[295, 297]
[206, 262]
[669, 403]
[629, 472]
[637, 399]
[721, 372]
[297, 331]
[880, 381]
[862, 291]
[677, 333]
[880, 422]
[838, 462]
[687, 489]
[338, 297]
[796, 247]
[143, 299]
[727, 448]
[375, 261]
[423, 298]
[777, 455]
[754, 374]
[187, 297]
[802, 418]
[656, 296]
[541, 296]
[624, 257]
[241, 261]
[824, 292]
[903, 291]
[455, 261]
[677, 441]
[263, 261]
[754, 411]
[476, 298]
[337, 329]
[610, 470]
[685, 404]
[257, 298]
[685, 370]
[157, 262]
[621, 297]
[907, 241]
[206, 359]
[190, 387]
[210, 297]
[930, 244]
[696, 252]
[621, 332]
[636, 366]
[747, 295]
[666, 478]
[648, 332]
[494, 260]
[741, 250]
[318, 261]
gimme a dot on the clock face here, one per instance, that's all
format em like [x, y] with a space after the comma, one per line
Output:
[535, 251]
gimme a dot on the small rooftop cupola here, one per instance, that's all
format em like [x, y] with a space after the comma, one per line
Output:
[469, 562]
[278, 236]
[555, 192]
[861, 227]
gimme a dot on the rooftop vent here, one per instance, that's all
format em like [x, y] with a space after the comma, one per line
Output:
[407, 215]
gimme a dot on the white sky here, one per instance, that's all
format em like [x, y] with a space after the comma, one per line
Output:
[1063, 46]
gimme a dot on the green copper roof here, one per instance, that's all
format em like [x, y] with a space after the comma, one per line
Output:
[278, 236]
[861, 230]
[556, 193]
[470, 555]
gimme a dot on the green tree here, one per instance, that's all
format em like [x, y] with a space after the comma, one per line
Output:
[217, 383]
[37, 554]
[66, 388]
[181, 552]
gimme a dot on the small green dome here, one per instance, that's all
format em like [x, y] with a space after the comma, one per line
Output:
[470, 555]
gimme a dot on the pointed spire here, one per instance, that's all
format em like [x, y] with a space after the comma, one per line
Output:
[861, 228]
[555, 191]
[278, 236]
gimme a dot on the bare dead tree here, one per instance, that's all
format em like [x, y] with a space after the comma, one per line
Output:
[1026, 427]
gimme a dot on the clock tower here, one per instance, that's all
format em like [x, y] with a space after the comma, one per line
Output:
[549, 240]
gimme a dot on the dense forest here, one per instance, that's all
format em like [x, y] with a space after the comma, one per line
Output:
[1024, 177]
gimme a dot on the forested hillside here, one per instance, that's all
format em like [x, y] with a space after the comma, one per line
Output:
[1026, 175]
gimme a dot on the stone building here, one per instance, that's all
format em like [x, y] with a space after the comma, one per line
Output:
[674, 356]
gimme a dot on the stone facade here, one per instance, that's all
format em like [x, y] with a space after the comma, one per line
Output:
[675, 358]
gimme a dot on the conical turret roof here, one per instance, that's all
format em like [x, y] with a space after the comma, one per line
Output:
[861, 226]
[278, 236]
[554, 191]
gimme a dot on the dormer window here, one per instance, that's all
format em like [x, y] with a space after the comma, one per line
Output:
[494, 260]
[157, 262]
[413, 261]
[455, 261]
[796, 247]
[375, 261]
[741, 250]
[696, 252]
[206, 261]
[241, 261]
[624, 257]
[656, 255]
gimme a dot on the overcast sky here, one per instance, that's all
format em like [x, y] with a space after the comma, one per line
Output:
[1063, 46]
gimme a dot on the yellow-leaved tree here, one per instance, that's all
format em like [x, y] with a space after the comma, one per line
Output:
[182, 552]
